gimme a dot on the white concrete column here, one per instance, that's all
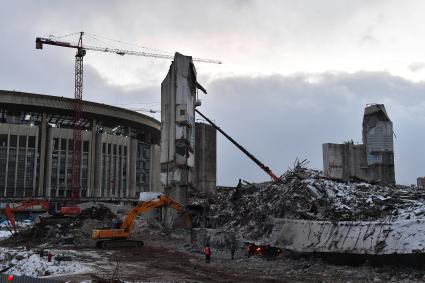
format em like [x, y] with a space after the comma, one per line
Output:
[43, 136]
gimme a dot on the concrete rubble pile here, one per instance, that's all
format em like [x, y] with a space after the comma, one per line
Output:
[71, 230]
[306, 194]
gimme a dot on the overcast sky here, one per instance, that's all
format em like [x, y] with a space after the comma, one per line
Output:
[295, 74]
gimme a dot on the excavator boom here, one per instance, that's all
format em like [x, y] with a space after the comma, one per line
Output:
[33, 203]
[10, 218]
[148, 205]
[247, 153]
[111, 238]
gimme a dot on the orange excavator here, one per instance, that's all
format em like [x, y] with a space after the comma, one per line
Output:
[113, 238]
[31, 203]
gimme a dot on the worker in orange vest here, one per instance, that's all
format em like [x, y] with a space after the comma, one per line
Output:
[207, 253]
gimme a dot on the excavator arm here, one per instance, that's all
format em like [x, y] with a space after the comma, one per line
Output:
[44, 204]
[9, 211]
[10, 218]
[148, 205]
[112, 238]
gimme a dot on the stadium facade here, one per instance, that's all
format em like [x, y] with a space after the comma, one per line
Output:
[119, 157]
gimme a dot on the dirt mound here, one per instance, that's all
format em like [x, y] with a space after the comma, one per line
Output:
[303, 193]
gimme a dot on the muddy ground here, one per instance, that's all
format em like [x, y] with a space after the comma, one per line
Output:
[171, 259]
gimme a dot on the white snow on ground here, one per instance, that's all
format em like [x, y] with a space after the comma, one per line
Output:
[4, 227]
[29, 263]
[4, 234]
[23, 224]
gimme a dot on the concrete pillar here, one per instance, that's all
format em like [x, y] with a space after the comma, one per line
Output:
[127, 164]
[16, 163]
[155, 170]
[98, 166]
[132, 154]
[48, 173]
[67, 161]
[7, 163]
[91, 182]
[34, 181]
[26, 165]
[43, 137]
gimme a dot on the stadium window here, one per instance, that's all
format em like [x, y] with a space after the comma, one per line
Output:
[13, 140]
[22, 141]
[31, 142]
[3, 140]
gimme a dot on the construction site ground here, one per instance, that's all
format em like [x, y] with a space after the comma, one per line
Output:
[171, 259]
[235, 216]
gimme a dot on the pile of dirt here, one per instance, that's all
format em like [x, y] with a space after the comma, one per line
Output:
[302, 193]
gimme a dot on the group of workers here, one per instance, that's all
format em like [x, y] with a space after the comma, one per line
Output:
[207, 252]
[251, 249]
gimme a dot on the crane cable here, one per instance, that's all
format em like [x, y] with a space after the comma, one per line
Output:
[128, 43]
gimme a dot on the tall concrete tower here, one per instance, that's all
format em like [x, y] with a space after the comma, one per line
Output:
[378, 139]
[178, 94]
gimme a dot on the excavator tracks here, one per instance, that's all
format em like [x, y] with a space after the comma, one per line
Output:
[110, 244]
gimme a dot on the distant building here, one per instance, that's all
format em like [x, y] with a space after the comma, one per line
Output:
[371, 161]
[421, 182]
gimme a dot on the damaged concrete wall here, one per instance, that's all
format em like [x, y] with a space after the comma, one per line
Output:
[344, 161]
[178, 94]
[357, 237]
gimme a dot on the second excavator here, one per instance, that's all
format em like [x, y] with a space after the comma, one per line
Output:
[119, 237]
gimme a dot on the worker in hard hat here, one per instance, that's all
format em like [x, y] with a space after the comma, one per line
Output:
[207, 252]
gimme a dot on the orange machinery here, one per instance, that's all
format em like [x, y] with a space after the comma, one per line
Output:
[9, 211]
[112, 238]
[70, 210]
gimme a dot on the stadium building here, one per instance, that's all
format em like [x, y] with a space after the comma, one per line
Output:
[119, 156]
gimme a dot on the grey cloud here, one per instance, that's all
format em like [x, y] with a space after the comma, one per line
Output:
[281, 118]
[417, 66]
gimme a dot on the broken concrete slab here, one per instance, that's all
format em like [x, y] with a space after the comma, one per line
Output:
[354, 237]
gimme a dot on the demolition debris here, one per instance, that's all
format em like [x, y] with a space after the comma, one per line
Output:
[71, 230]
[303, 193]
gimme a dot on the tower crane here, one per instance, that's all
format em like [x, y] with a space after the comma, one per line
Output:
[78, 94]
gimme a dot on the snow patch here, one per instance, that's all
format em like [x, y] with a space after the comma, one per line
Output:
[4, 234]
[27, 263]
